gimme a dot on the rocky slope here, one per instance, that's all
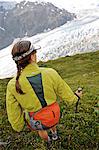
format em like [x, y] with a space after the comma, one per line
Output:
[30, 18]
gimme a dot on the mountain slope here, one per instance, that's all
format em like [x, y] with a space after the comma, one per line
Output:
[76, 130]
[78, 36]
[30, 18]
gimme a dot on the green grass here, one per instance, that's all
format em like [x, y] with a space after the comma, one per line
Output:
[78, 131]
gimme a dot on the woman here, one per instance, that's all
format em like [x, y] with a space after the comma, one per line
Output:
[32, 94]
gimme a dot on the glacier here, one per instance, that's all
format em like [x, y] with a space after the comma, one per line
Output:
[78, 36]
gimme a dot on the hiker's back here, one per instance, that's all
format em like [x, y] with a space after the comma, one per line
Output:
[38, 85]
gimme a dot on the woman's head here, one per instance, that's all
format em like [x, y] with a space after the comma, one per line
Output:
[23, 53]
[20, 48]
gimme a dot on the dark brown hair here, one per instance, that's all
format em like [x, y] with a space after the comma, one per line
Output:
[18, 49]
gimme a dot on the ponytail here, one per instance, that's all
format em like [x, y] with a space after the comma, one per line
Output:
[21, 65]
[17, 85]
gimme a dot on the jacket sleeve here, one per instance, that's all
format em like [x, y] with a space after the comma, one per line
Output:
[14, 111]
[63, 90]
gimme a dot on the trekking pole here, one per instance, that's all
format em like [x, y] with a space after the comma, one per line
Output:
[76, 107]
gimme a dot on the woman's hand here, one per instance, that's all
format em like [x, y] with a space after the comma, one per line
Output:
[79, 92]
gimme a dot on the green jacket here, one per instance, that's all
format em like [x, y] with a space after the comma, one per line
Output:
[41, 87]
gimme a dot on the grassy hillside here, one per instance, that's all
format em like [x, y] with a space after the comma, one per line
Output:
[77, 131]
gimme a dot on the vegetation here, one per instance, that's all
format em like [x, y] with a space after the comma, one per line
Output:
[77, 131]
